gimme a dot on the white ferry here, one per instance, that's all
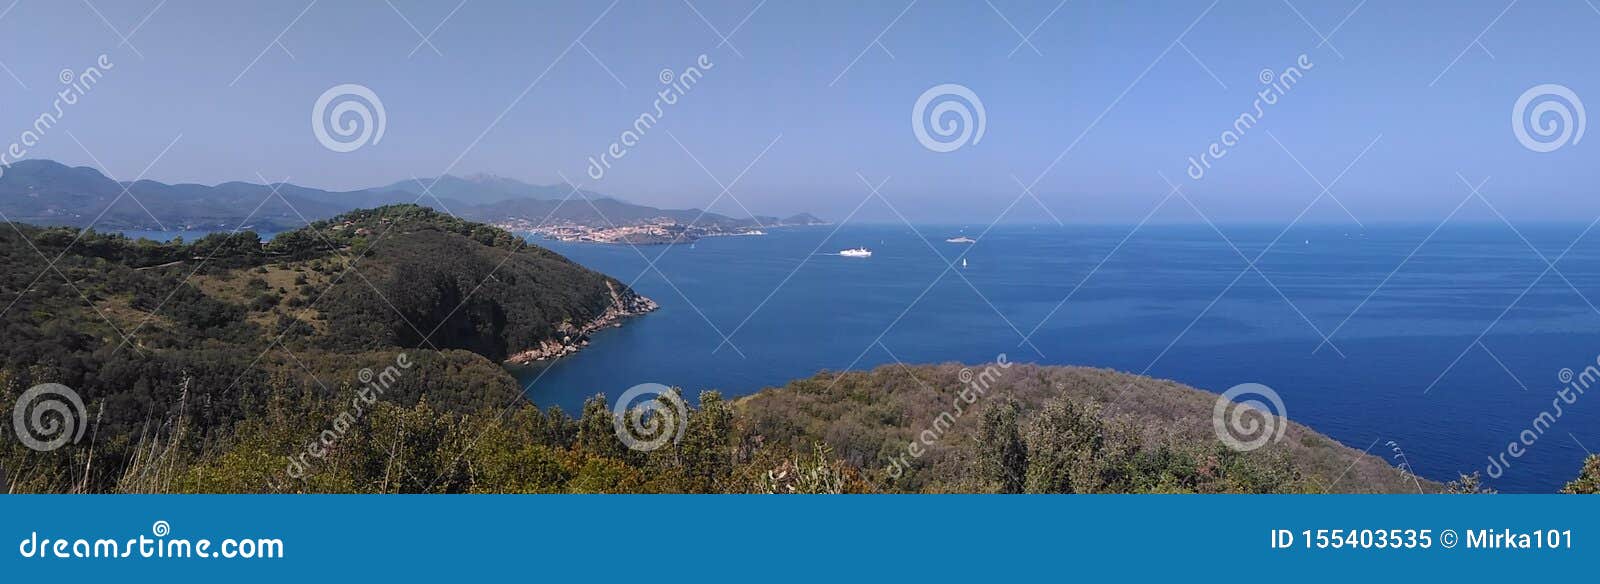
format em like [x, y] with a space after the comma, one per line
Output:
[859, 252]
[961, 239]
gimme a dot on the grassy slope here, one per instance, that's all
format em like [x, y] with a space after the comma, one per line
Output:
[869, 416]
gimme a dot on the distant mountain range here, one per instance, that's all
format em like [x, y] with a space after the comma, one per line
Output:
[480, 189]
[46, 192]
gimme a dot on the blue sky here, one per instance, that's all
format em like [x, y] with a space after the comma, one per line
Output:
[1121, 83]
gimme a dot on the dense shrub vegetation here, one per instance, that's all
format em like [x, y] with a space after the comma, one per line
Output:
[175, 344]
[1048, 430]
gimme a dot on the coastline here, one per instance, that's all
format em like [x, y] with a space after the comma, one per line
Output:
[648, 233]
[575, 338]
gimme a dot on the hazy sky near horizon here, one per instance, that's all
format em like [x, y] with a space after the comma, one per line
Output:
[1106, 99]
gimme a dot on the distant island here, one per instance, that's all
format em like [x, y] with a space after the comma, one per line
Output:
[44, 192]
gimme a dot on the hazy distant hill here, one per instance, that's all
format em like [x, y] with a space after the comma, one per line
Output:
[479, 189]
[603, 213]
[49, 193]
[490, 198]
[804, 219]
[45, 192]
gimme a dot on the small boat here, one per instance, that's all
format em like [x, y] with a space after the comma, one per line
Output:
[859, 252]
[961, 239]
[963, 262]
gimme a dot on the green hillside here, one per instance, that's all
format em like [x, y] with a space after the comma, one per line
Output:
[181, 341]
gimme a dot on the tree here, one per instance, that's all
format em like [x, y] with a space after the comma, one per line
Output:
[1467, 485]
[1064, 444]
[597, 430]
[706, 447]
[1002, 455]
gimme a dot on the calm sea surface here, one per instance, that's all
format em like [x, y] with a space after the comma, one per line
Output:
[1438, 364]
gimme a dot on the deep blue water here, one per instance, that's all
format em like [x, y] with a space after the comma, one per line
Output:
[836, 313]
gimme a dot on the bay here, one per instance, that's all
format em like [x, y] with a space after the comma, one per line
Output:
[1441, 368]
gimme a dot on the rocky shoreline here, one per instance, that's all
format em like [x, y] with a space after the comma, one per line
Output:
[574, 338]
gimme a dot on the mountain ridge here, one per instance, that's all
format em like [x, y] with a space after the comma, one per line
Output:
[46, 192]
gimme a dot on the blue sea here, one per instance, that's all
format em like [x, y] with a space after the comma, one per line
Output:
[1441, 368]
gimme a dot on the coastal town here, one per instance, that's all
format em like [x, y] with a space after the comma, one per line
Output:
[654, 231]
